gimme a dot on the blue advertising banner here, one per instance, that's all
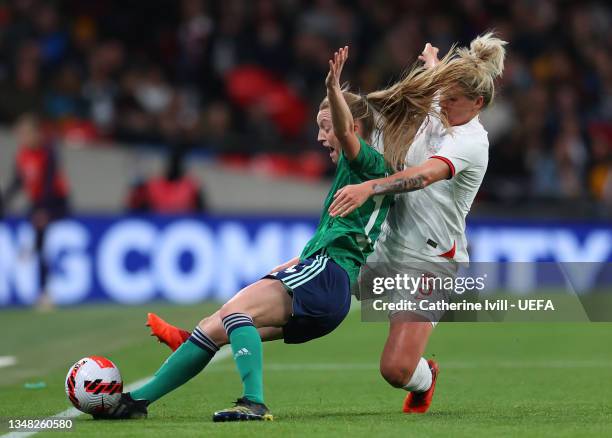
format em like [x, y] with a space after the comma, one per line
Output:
[136, 259]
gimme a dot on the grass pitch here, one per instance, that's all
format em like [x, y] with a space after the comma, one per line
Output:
[537, 379]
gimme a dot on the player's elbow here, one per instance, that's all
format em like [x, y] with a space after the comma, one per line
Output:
[427, 178]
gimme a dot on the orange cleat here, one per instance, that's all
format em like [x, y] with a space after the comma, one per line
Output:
[419, 402]
[166, 333]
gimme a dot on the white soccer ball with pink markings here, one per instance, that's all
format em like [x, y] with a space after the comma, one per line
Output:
[94, 385]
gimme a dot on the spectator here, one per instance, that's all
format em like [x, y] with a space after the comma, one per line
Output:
[172, 193]
[172, 81]
[22, 91]
[38, 173]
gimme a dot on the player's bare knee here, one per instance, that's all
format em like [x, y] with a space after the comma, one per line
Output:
[229, 308]
[213, 328]
[396, 374]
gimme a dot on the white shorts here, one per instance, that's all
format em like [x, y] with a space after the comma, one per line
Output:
[421, 280]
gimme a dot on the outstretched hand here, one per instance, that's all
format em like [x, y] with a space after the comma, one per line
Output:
[335, 68]
[349, 198]
[429, 56]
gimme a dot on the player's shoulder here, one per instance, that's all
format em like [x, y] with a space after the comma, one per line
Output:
[368, 156]
[366, 144]
[474, 130]
[471, 136]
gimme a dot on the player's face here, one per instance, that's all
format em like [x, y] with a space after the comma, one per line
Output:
[326, 134]
[458, 108]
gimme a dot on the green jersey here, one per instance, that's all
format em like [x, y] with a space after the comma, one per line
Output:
[350, 240]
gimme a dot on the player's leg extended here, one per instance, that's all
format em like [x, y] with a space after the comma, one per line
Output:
[182, 365]
[265, 303]
[191, 358]
[402, 364]
[174, 336]
[186, 362]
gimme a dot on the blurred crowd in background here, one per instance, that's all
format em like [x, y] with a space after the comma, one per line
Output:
[241, 80]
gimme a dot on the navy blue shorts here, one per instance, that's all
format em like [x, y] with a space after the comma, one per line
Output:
[321, 298]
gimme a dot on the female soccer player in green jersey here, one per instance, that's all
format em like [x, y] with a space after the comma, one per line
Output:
[307, 297]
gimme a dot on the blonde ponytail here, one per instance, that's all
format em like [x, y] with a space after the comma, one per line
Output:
[486, 54]
[490, 51]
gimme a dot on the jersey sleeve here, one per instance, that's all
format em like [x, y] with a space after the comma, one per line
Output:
[462, 155]
[369, 163]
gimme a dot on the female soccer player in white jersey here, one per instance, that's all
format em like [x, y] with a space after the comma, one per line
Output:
[442, 172]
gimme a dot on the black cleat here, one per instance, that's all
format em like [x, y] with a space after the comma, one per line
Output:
[127, 409]
[244, 410]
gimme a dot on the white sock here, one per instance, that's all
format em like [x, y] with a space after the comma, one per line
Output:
[421, 378]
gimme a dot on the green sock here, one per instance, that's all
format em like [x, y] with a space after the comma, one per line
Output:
[186, 362]
[248, 354]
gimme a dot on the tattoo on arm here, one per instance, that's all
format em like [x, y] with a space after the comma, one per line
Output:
[400, 185]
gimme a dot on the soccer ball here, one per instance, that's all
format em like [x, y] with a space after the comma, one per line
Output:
[94, 385]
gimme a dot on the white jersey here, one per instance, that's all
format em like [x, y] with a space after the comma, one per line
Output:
[431, 221]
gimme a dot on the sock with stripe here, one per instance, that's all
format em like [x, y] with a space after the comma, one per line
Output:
[248, 354]
[186, 362]
[421, 378]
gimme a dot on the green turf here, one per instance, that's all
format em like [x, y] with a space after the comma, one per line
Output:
[496, 379]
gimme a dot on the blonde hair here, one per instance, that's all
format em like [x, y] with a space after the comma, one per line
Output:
[477, 68]
[359, 110]
[405, 105]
